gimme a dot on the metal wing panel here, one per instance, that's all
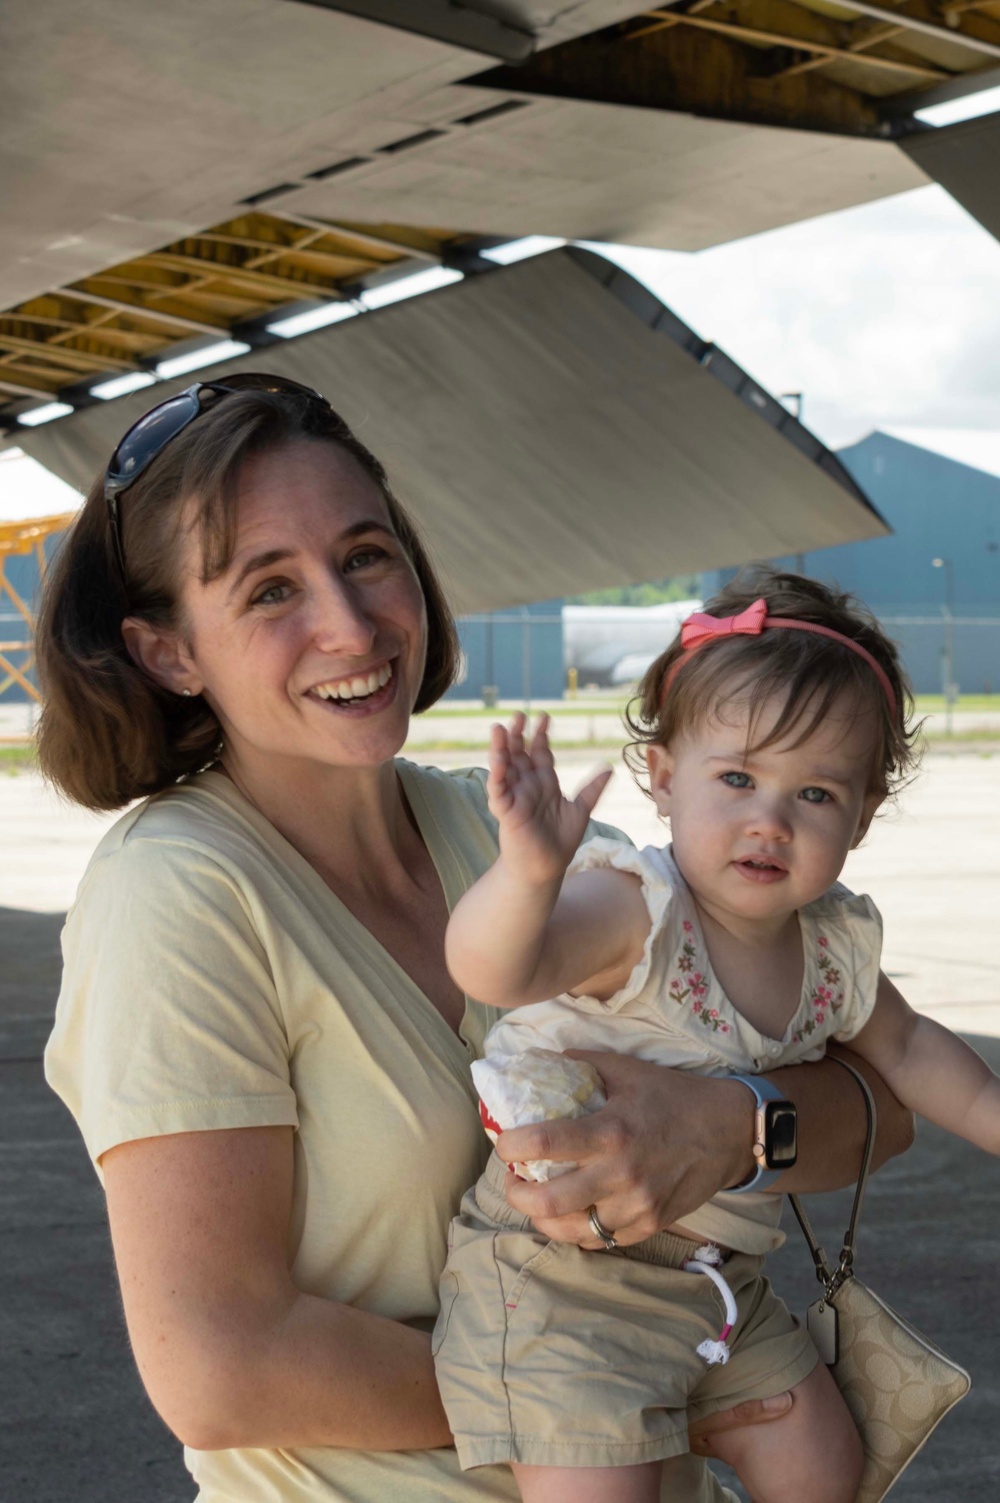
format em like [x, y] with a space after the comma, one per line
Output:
[965, 159]
[546, 437]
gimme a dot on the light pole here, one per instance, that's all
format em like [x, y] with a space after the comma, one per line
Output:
[490, 692]
[948, 662]
[796, 397]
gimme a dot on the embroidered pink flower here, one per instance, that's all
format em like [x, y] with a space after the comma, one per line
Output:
[825, 999]
[691, 984]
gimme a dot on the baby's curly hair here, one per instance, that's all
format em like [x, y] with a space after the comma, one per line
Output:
[808, 671]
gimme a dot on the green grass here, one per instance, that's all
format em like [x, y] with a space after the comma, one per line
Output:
[478, 749]
[928, 704]
[22, 758]
[601, 743]
[972, 740]
[15, 759]
[507, 708]
[971, 735]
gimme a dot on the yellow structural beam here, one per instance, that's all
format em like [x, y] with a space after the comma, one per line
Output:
[22, 538]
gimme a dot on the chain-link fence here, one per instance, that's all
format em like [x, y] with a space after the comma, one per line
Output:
[533, 654]
[949, 654]
[511, 655]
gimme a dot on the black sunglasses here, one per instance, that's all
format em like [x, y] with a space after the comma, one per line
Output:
[147, 438]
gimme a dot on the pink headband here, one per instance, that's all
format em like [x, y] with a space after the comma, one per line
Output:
[699, 631]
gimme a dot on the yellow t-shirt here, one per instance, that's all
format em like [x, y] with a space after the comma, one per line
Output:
[213, 980]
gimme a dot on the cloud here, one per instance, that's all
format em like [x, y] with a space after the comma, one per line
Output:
[885, 314]
[28, 490]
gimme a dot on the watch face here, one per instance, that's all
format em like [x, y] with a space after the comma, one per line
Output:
[779, 1134]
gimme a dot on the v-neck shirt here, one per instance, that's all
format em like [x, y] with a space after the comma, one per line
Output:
[213, 980]
[674, 1011]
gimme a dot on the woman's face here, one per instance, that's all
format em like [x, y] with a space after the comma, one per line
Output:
[311, 644]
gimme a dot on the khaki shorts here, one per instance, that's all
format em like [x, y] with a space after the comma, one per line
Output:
[554, 1356]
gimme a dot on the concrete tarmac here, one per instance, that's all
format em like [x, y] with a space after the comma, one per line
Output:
[74, 1422]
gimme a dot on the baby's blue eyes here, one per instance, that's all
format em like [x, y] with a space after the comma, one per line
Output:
[809, 795]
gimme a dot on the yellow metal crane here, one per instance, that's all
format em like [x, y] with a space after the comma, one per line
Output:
[23, 538]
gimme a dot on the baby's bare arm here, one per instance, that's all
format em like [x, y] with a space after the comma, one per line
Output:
[522, 933]
[669, 1140]
[931, 1070]
[510, 942]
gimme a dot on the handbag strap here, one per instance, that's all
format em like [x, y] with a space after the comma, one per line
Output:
[832, 1279]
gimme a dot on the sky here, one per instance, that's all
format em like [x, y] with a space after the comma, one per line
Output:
[28, 490]
[883, 316]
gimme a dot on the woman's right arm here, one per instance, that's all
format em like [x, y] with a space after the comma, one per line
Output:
[668, 1140]
[230, 1351]
[824, 1093]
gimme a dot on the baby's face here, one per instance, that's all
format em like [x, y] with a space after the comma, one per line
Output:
[759, 834]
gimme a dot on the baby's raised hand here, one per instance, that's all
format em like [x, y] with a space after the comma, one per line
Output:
[540, 829]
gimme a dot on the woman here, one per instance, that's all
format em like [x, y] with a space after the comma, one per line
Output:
[256, 1032]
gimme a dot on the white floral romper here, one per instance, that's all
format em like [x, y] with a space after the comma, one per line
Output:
[550, 1354]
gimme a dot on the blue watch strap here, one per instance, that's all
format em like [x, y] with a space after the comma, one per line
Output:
[762, 1090]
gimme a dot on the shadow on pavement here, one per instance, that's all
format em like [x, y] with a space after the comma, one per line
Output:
[74, 1422]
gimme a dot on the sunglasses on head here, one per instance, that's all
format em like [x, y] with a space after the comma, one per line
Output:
[147, 438]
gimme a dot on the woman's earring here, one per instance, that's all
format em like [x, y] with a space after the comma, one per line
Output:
[186, 693]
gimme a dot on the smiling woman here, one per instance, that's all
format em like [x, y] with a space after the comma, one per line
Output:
[257, 1032]
[311, 642]
[198, 513]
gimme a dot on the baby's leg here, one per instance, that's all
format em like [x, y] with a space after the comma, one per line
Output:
[814, 1451]
[589, 1484]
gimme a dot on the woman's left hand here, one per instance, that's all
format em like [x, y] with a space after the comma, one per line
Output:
[667, 1141]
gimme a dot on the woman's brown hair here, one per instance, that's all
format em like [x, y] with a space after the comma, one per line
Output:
[108, 733]
[805, 671]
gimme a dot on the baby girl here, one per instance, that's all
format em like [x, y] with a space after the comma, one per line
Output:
[773, 729]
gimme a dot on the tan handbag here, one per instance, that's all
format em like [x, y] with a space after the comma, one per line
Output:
[897, 1384]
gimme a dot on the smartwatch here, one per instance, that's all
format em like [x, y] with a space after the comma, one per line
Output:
[774, 1133]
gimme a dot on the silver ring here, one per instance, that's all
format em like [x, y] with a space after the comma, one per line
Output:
[600, 1230]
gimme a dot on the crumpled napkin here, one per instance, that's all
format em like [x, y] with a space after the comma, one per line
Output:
[535, 1085]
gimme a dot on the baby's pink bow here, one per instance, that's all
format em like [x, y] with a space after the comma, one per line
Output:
[700, 628]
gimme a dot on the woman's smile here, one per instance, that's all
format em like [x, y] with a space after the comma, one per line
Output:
[364, 692]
